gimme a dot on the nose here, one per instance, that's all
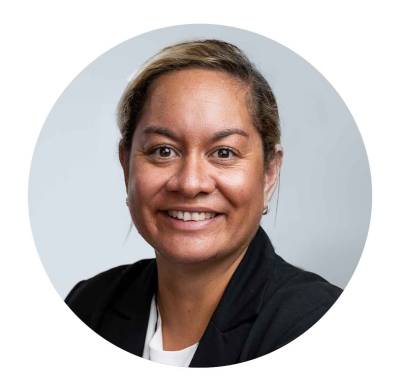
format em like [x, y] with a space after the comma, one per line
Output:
[192, 177]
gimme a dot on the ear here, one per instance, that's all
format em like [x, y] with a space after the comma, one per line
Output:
[124, 160]
[272, 174]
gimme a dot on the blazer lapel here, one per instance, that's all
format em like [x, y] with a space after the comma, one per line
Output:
[125, 323]
[240, 304]
[217, 348]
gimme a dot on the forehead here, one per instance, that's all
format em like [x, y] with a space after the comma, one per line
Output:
[197, 100]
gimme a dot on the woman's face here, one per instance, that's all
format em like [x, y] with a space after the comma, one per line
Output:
[195, 178]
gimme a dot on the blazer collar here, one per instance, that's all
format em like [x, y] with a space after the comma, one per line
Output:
[242, 298]
[240, 304]
[125, 324]
[229, 326]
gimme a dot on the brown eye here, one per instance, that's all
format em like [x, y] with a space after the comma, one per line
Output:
[224, 153]
[163, 152]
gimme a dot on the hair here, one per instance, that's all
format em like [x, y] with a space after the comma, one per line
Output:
[205, 54]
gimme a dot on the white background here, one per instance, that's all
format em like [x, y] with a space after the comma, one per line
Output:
[44, 45]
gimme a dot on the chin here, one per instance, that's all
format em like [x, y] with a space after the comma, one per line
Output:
[187, 257]
[191, 254]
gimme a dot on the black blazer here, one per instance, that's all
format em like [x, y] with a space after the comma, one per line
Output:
[266, 304]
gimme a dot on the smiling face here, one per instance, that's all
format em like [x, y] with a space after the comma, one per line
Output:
[195, 174]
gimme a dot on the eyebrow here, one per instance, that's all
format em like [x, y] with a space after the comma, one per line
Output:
[150, 130]
[228, 132]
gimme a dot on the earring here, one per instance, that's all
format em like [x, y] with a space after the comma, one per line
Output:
[126, 202]
[265, 210]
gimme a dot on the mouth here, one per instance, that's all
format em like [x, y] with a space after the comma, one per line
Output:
[197, 216]
[191, 221]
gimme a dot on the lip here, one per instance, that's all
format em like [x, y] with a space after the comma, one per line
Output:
[191, 209]
[189, 225]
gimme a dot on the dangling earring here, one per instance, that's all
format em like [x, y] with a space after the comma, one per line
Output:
[126, 202]
[265, 210]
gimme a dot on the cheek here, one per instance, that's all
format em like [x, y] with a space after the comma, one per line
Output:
[141, 190]
[139, 187]
[242, 188]
[142, 181]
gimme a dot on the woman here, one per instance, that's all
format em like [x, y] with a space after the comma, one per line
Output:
[201, 158]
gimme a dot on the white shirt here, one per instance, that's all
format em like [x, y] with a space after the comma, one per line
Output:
[153, 346]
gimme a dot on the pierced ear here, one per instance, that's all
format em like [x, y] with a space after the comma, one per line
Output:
[124, 160]
[272, 174]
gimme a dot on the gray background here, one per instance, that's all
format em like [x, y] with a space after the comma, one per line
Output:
[77, 195]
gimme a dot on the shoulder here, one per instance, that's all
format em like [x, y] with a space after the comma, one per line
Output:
[293, 284]
[293, 301]
[89, 297]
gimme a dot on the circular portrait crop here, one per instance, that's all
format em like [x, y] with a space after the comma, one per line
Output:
[199, 196]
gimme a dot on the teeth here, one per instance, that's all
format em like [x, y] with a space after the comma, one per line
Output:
[193, 216]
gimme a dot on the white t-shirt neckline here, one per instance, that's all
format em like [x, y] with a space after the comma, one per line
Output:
[153, 347]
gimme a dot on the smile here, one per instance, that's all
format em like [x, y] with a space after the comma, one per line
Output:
[191, 216]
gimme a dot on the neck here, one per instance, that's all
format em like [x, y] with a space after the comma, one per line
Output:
[188, 295]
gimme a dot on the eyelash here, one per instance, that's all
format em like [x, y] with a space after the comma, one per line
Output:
[153, 152]
[231, 150]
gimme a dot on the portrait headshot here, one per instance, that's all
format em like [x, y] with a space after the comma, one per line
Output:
[199, 196]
